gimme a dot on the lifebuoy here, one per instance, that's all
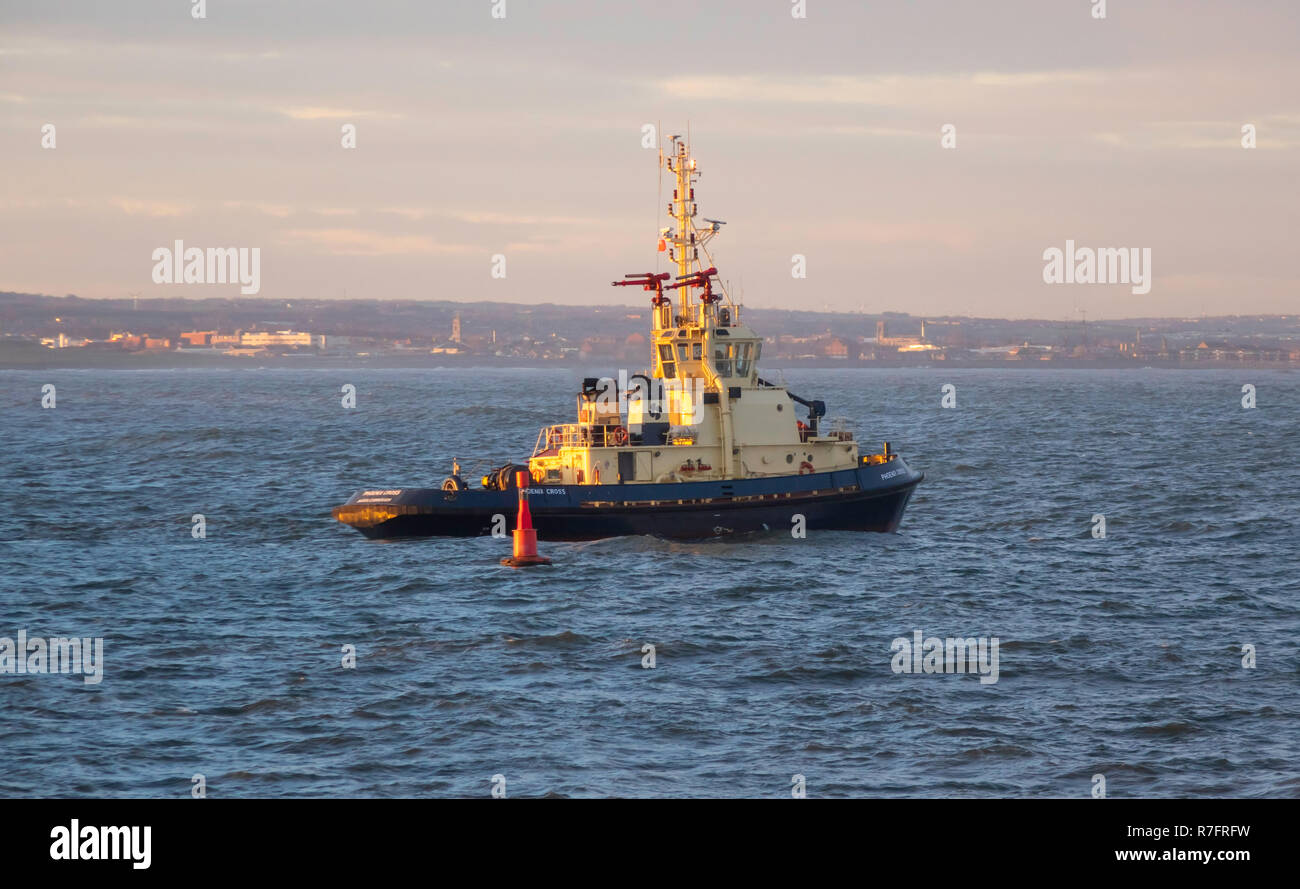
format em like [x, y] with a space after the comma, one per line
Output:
[805, 467]
[619, 434]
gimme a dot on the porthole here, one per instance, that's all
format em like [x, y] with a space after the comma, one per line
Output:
[780, 407]
[789, 458]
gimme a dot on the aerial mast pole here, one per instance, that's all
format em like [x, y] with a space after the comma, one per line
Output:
[683, 166]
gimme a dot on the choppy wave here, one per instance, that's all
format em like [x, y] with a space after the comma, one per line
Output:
[1120, 656]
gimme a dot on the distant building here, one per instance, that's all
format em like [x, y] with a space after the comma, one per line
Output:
[265, 338]
[198, 337]
[598, 345]
[635, 347]
[899, 342]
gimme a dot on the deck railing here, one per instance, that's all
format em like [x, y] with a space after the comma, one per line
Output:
[840, 429]
[574, 435]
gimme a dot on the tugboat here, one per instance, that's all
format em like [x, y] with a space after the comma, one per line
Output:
[700, 445]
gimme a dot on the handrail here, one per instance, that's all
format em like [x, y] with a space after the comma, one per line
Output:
[841, 429]
[576, 435]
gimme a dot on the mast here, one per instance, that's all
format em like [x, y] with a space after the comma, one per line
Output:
[691, 274]
[683, 346]
[682, 209]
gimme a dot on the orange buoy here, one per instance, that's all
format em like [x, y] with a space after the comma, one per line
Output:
[525, 552]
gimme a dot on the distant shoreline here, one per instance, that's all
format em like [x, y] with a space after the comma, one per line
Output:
[62, 359]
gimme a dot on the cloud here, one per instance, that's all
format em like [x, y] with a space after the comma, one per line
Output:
[884, 90]
[318, 112]
[412, 213]
[475, 217]
[360, 242]
[1184, 135]
[135, 207]
[280, 211]
[523, 219]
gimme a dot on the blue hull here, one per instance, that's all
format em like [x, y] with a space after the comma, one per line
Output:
[868, 498]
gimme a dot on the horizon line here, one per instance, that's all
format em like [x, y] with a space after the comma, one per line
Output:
[947, 317]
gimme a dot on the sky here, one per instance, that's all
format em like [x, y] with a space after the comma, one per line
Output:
[480, 135]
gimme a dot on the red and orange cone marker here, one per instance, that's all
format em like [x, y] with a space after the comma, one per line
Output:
[525, 554]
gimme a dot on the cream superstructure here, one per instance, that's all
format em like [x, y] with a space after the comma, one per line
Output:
[707, 415]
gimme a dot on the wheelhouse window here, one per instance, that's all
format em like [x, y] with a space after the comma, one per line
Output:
[666, 366]
[744, 357]
[722, 359]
